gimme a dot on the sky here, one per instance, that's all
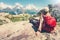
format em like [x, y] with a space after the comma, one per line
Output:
[38, 3]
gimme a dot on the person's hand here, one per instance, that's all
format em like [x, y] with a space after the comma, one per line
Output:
[39, 29]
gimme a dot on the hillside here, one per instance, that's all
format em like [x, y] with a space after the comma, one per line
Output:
[17, 27]
[23, 31]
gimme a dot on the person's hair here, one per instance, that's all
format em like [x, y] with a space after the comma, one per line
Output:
[44, 11]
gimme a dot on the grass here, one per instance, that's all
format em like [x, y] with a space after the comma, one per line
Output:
[23, 17]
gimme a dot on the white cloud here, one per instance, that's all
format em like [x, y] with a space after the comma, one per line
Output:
[10, 6]
[17, 4]
[30, 7]
[56, 1]
[3, 5]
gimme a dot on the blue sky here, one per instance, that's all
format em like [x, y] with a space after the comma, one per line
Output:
[38, 3]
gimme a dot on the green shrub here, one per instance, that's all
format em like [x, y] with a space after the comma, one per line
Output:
[14, 19]
[1, 22]
[22, 17]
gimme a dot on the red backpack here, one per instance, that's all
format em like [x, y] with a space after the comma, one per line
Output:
[51, 21]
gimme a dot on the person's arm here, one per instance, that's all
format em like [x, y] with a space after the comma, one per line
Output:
[41, 21]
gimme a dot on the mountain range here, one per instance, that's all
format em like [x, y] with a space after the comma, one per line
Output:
[18, 9]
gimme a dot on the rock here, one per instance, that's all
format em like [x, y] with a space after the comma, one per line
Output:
[23, 31]
[4, 19]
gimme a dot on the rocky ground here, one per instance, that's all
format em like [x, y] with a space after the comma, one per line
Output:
[23, 31]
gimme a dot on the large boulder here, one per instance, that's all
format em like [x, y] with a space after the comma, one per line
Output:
[23, 31]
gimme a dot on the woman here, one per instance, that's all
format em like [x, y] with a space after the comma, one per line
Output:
[47, 22]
